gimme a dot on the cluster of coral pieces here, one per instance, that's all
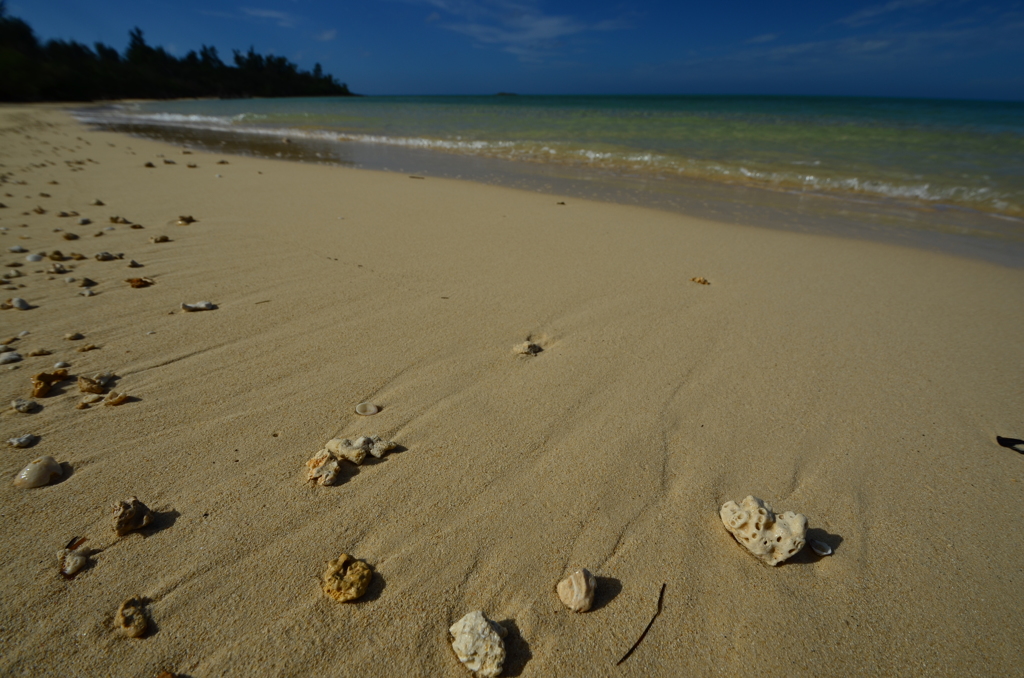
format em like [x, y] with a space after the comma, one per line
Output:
[325, 466]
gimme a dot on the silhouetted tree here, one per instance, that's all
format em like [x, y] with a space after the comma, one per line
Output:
[70, 71]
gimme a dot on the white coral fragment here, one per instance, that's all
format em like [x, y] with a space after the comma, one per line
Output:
[198, 306]
[577, 590]
[478, 644]
[771, 538]
[323, 468]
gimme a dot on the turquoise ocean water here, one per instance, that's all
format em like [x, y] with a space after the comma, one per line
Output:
[939, 174]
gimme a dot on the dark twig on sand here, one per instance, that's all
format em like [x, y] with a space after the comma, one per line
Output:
[661, 597]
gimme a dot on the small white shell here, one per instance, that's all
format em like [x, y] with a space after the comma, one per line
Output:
[34, 257]
[367, 409]
[60, 365]
[820, 548]
[198, 306]
[27, 440]
[72, 561]
[38, 473]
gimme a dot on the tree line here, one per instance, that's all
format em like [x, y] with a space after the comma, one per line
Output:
[70, 71]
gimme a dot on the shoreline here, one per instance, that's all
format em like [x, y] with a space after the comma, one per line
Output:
[928, 225]
[861, 384]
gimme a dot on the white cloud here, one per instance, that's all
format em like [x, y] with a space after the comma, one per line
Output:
[326, 36]
[282, 19]
[519, 27]
[767, 37]
[869, 14]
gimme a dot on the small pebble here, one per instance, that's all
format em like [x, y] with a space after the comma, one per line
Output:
[87, 292]
[34, 257]
[84, 221]
[61, 365]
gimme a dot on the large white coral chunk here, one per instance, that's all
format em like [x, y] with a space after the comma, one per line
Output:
[770, 537]
[477, 642]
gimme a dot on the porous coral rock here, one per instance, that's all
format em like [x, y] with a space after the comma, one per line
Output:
[130, 515]
[343, 448]
[770, 537]
[323, 468]
[131, 618]
[347, 578]
[577, 590]
[115, 398]
[42, 382]
[478, 644]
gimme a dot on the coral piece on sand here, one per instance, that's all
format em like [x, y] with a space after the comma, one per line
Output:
[24, 406]
[323, 468]
[478, 644]
[130, 515]
[39, 352]
[771, 538]
[95, 384]
[115, 398]
[185, 220]
[346, 578]
[131, 618]
[73, 558]
[42, 382]
[198, 306]
[343, 448]
[39, 472]
[140, 282]
[577, 590]
[700, 280]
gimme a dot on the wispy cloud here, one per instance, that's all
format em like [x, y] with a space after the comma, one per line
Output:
[875, 12]
[767, 37]
[326, 36]
[519, 27]
[282, 19]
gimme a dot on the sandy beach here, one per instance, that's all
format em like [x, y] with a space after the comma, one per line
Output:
[861, 384]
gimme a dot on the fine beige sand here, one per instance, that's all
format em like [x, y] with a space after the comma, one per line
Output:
[860, 384]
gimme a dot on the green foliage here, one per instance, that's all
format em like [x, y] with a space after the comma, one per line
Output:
[70, 71]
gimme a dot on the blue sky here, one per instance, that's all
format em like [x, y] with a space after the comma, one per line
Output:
[919, 48]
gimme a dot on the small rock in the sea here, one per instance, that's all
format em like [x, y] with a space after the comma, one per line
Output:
[820, 548]
[72, 559]
[367, 409]
[577, 590]
[770, 537]
[39, 352]
[19, 303]
[528, 348]
[185, 220]
[27, 440]
[159, 238]
[39, 472]
[42, 382]
[346, 578]
[140, 282]
[130, 515]
[700, 280]
[131, 616]
[74, 336]
[9, 357]
[198, 306]
[24, 406]
[105, 256]
[134, 264]
[115, 398]
[478, 644]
